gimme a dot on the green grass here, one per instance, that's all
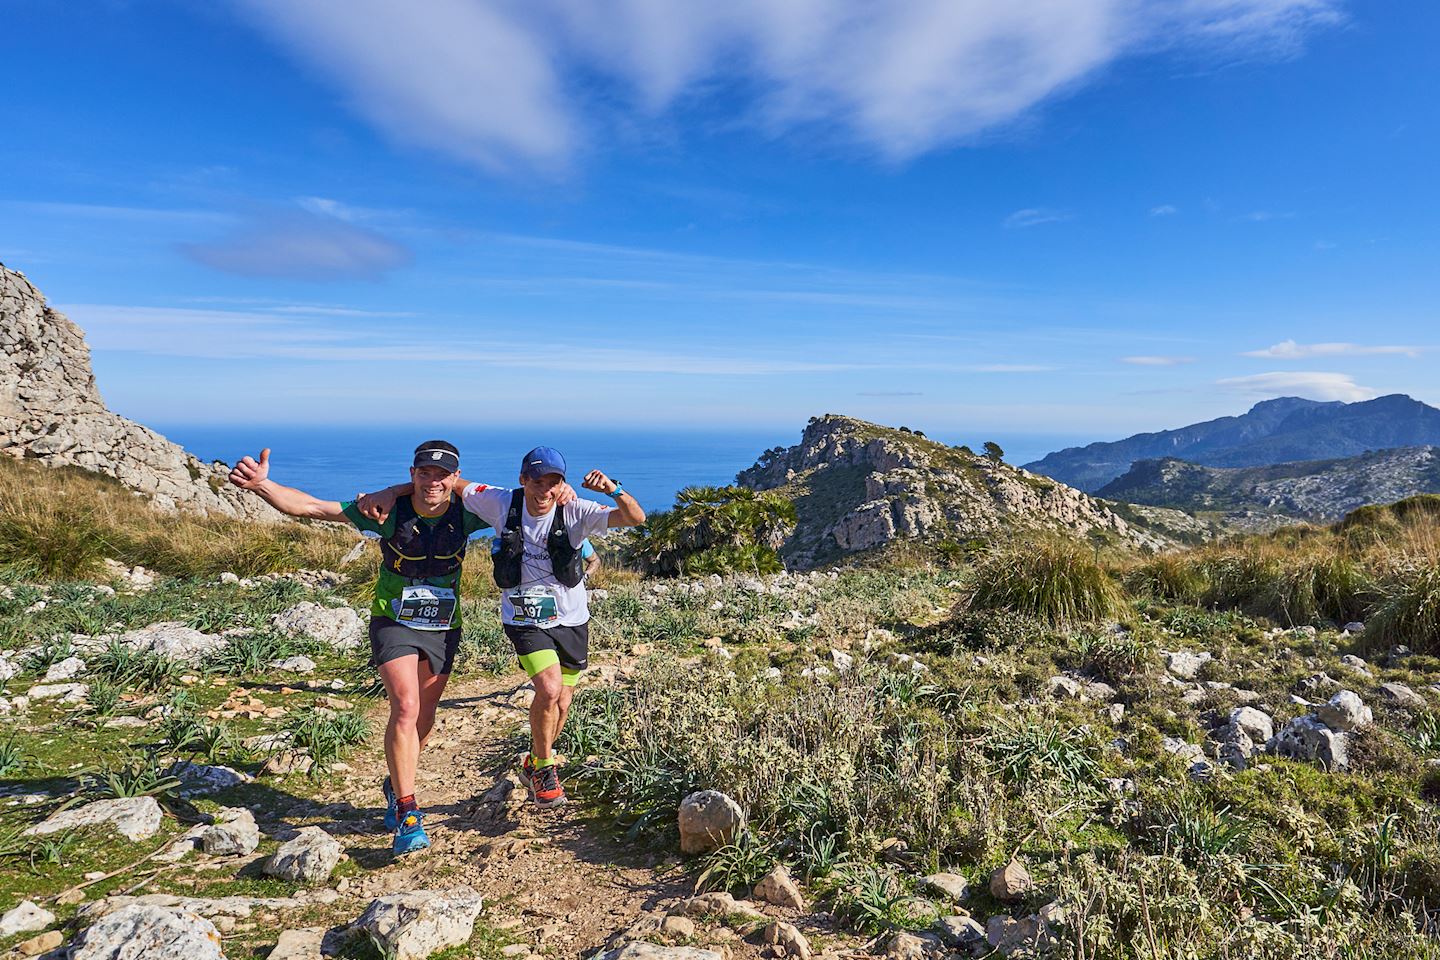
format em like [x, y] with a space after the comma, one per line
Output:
[1054, 581]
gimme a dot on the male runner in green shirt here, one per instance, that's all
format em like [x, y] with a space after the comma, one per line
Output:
[415, 614]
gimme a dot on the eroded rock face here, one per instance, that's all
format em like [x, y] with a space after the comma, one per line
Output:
[51, 411]
[870, 485]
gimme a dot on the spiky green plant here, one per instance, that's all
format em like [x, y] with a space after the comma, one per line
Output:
[1057, 581]
[716, 530]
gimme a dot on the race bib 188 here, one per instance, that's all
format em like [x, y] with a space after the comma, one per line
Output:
[424, 607]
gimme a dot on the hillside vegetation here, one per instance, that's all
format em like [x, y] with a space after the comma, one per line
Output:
[1115, 754]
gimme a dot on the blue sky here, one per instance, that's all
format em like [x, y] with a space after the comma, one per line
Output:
[1061, 217]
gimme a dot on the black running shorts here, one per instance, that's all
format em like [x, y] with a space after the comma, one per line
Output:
[539, 648]
[390, 641]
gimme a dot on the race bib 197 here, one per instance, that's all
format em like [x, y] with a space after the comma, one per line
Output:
[424, 607]
[533, 607]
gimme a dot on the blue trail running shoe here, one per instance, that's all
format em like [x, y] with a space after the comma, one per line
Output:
[410, 835]
[392, 807]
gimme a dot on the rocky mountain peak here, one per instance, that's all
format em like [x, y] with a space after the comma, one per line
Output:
[858, 485]
[52, 411]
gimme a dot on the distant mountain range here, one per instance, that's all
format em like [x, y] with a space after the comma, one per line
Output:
[1261, 497]
[1283, 430]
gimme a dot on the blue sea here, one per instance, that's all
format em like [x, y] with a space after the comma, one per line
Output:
[337, 462]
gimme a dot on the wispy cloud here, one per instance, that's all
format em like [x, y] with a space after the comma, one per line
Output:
[1034, 217]
[1264, 216]
[1157, 361]
[1164, 210]
[300, 245]
[508, 85]
[248, 334]
[1290, 350]
[1312, 385]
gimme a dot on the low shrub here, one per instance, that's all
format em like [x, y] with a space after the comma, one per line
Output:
[1408, 612]
[1055, 581]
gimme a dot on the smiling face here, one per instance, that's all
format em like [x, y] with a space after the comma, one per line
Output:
[432, 484]
[540, 491]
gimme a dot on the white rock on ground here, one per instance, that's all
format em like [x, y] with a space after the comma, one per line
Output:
[174, 640]
[25, 918]
[959, 931]
[296, 664]
[340, 627]
[66, 669]
[708, 820]
[1186, 665]
[308, 857]
[199, 779]
[303, 944]
[952, 886]
[1306, 738]
[65, 692]
[134, 818]
[1344, 712]
[233, 834]
[639, 950]
[412, 926]
[1256, 724]
[151, 933]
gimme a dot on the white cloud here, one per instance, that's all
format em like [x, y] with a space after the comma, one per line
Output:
[1164, 210]
[1034, 217]
[1265, 216]
[1156, 361]
[505, 84]
[1312, 385]
[1290, 350]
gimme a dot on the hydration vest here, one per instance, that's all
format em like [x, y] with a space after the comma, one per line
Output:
[421, 551]
[508, 549]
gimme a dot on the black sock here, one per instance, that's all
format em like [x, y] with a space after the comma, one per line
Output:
[407, 804]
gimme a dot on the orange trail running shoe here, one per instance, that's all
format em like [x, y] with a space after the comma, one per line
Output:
[545, 787]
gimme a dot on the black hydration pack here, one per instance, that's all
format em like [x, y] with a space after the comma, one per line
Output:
[508, 550]
[421, 551]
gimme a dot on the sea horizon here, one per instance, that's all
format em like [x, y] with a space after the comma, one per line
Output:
[338, 462]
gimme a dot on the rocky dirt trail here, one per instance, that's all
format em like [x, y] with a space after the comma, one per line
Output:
[552, 878]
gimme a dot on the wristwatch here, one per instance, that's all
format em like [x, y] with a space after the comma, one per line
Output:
[619, 489]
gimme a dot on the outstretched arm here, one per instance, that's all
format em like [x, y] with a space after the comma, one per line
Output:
[377, 505]
[627, 512]
[253, 475]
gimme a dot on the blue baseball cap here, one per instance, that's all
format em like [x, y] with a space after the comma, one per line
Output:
[542, 460]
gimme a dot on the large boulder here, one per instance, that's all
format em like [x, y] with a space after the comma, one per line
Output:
[708, 821]
[340, 627]
[412, 926]
[139, 932]
[134, 818]
[308, 857]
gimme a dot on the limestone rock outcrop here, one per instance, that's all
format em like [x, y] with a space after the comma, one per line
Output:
[51, 411]
[858, 486]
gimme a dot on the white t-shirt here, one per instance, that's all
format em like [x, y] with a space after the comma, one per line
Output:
[540, 600]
